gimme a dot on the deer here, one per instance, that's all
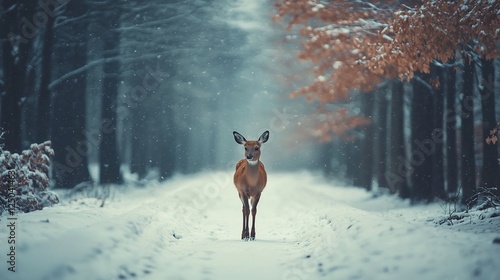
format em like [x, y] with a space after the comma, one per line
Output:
[250, 179]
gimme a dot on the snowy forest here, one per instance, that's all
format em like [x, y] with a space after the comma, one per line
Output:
[159, 87]
[408, 93]
[394, 103]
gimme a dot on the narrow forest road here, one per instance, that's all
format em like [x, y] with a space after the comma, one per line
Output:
[189, 228]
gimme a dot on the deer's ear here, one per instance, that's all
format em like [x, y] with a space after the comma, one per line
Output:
[239, 138]
[264, 137]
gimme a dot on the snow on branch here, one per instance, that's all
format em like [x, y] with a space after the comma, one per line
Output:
[57, 82]
[339, 36]
[435, 30]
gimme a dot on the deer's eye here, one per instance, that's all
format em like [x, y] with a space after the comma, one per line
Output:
[256, 148]
[246, 149]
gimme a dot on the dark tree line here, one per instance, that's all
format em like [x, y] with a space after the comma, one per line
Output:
[115, 84]
[427, 142]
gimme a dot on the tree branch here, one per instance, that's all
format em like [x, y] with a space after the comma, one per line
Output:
[97, 62]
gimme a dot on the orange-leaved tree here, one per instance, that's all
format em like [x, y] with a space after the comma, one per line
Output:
[337, 35]
[433, 33]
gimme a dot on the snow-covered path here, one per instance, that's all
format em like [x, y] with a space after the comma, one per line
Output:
[189, 228]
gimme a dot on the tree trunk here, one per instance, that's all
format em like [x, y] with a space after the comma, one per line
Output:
[365, 171]
[68, 126]
[325, 158]
[352, 159]
[43, 118]
[138, 158]
[16, 52]
[468, 166]
[168, 166]
[490, 168]
[438, 135]
[109, 161]
[397, 174]
[423, 146]
[182, 154]
[380, 151]
[451, 133]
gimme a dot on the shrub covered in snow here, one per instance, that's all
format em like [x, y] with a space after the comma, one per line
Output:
[25, 178]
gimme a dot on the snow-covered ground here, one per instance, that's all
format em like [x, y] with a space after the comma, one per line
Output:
[189, 228]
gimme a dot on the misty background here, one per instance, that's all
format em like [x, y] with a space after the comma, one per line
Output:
[174, 78]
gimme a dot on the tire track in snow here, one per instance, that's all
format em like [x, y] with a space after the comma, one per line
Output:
[209, 246]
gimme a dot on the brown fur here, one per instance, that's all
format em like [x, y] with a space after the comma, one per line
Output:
[247, 180]
[250, 180]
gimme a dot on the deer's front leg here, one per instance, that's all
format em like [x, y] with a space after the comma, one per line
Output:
[246, 215]
[255, 201]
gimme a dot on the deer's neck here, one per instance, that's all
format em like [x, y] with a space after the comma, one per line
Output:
[253, 163]
[252, 172]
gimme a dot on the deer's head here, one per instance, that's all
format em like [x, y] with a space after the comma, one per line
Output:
[252, 147]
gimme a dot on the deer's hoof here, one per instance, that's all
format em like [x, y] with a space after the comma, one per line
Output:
[252, 238]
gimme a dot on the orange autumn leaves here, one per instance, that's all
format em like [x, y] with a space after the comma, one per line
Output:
[493, 138]
[337, 36]
[337, 122]
[355, 45]
[436, 30]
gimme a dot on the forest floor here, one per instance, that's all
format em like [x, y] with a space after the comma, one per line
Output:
[189, 228]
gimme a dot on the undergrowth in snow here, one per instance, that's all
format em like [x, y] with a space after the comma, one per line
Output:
[24, 179]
